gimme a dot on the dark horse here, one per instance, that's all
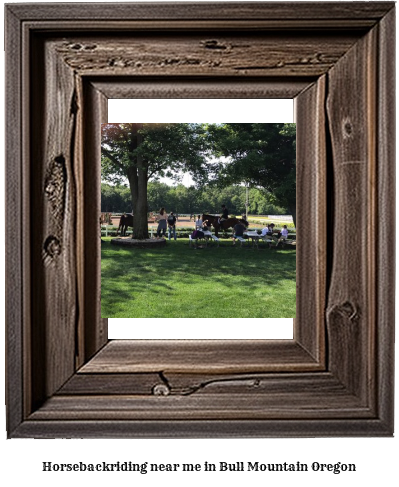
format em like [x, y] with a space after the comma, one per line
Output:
[125, 222]
[224, 224]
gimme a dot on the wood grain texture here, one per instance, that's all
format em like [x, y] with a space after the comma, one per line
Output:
[244, 55]
[311, 218]
[116, 428]
[111, 384]
[275, 396]
[351, 112]
[385, 261]
[203, 407]
[207, 11]
[15, 259]
[298, 24]
[53, 211]
[200, 356]
[200, 389]
[95, 331]
[185, 384]
[144, 87]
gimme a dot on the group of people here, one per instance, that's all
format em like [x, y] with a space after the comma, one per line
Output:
[166, 222]
[279, 237]
[268, 231]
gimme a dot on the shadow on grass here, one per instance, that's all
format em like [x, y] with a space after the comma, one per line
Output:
[127, 272]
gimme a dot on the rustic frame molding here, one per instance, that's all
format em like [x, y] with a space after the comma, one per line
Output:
[64, 378]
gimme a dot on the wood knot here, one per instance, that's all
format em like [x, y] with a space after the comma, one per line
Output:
[213, 44]
[349, 310]
[347, 128]
[346, 310]
[54, 185]
[161, 390]
[90, 47]
[51, 248]
[50, 189]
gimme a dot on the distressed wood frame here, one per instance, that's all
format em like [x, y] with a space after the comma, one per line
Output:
[64, 378]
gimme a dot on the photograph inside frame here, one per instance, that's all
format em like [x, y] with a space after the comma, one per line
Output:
[198, 220]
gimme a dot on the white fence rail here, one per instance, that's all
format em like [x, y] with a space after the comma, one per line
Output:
[111, 228]
[287, 218]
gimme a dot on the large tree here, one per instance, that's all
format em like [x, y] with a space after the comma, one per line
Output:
[142, 152]
[262, 155]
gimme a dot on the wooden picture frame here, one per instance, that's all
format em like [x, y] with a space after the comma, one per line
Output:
[64, 378]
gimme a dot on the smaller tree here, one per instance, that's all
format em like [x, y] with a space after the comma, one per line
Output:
[262, 155]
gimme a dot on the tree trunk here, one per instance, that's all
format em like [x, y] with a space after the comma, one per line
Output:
[137, 175]
[140, 229]
[138, 191]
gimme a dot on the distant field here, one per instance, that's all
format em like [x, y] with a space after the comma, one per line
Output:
[268, 219]
[255, 221]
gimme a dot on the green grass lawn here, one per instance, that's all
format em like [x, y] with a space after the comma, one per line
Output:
[177, 281]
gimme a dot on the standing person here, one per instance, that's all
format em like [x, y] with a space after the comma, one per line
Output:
[161, 223]
[172, 225]
[198, 223]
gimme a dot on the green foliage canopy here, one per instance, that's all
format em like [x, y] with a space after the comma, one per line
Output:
[262, 155]
[164, 149]
[140, 152]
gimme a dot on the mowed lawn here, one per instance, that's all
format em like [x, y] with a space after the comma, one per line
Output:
[178, 281]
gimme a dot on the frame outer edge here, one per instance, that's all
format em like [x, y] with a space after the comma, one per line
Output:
[17, 316]
[201, 429]
[204, 11]
[386, 215]
[14, 261]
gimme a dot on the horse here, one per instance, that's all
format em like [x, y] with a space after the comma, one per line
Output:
[125, 221]
[224, 224]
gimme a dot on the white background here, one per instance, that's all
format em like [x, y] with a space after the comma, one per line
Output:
[209, 111]
[375, 458]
